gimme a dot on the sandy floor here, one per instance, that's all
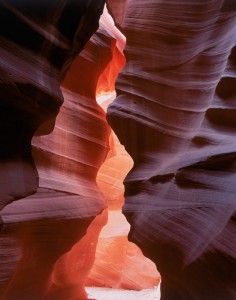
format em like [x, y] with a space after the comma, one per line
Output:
[113, 294]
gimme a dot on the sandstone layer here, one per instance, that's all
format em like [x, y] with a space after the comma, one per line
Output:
[40, 229]
[118, 262]
[175, 115]
[174, 112]
[37, 47]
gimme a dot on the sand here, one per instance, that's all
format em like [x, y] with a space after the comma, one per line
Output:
[115, 294]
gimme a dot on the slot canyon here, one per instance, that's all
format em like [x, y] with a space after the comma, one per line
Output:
[118, 150]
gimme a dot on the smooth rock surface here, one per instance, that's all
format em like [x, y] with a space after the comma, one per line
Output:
[118, 263]
[174, 113]
[40, 230]
[37, 47]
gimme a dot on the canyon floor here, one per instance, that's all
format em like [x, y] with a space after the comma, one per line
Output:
[117, 294]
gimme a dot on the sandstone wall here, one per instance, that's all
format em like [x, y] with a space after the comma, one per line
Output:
[174, 113]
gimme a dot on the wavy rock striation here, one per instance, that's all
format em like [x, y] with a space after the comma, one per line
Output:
[34, 59]
[40, 229]
[119, 264]
[174, 112]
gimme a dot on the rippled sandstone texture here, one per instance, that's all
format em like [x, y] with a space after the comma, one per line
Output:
[44, 233]
[175, 114]
[119, 264]
[39, 41]
[37, 48]
[172, 96]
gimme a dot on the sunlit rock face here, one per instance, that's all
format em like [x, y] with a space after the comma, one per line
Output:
[80, 143]
[119, 264]
[106, 82]
[45, 232]
[30, 252]
[66, 158]
[174, 113]
[37, 48]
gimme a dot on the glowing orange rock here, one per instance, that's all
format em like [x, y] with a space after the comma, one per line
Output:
[71, 270]
[106, 82]
[118, 263]
[68, 198]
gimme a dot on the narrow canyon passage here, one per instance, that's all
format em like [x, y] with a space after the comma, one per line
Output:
[54, 234]
[162, 75]
[119, 264]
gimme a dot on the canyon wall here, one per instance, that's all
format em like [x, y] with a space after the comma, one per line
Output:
[37, 48]
[39, 41]
[175, 115]
[51, 232]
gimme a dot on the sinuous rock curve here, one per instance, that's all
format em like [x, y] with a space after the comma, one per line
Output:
[174, 112]
[37, 47]
[39, 230]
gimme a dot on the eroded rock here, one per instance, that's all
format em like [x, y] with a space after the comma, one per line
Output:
[179, 194]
